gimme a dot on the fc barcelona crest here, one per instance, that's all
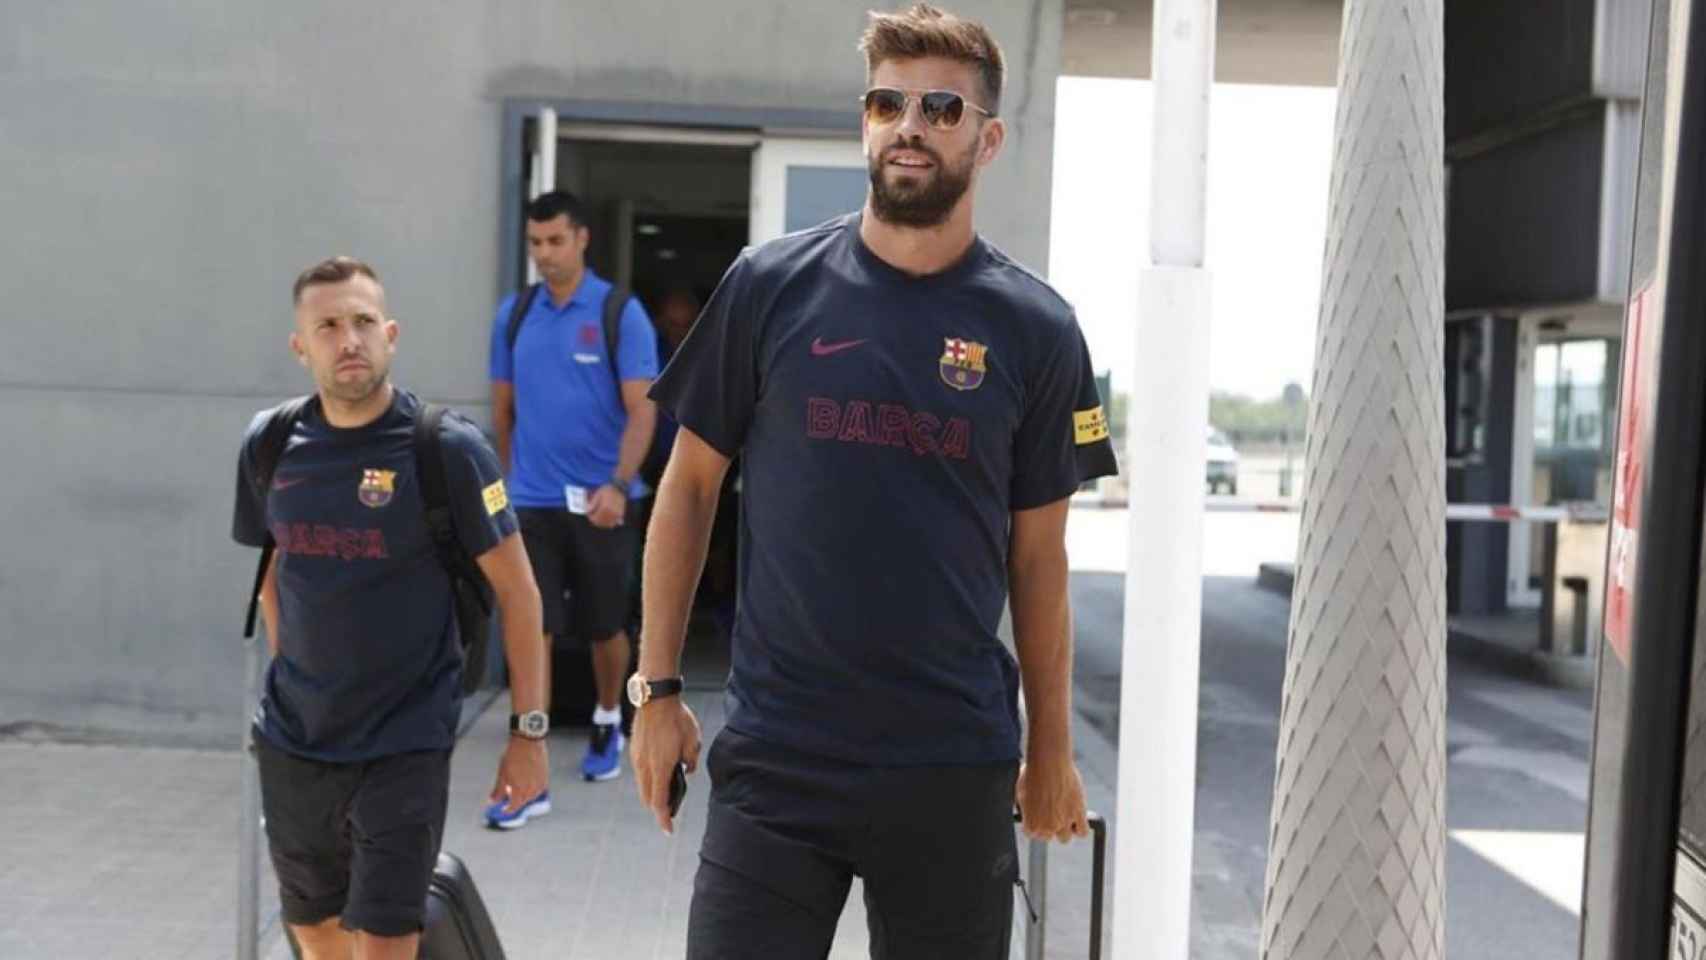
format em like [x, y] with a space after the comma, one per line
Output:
[377, 487]
[963, 364]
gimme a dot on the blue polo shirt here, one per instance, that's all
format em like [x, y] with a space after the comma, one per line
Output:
[569, 415]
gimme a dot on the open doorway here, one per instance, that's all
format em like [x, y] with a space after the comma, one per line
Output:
[669, 209]
[670, 206]
[665, 216]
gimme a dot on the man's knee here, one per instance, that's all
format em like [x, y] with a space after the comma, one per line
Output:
[326, 940]
[733, 916]
[369, 946]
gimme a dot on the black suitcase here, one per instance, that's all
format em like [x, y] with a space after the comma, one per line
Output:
[1038, 914]
[457, 925]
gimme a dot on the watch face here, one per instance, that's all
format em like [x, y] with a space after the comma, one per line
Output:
[534, 724]
[637, 690]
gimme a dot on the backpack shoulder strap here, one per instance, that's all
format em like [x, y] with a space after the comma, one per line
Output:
[433, 476]
[429, 462]
[269, 449]
[518, 312]
[615, 301]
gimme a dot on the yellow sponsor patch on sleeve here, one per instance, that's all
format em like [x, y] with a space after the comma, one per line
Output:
[1088, 426]
[496, 498]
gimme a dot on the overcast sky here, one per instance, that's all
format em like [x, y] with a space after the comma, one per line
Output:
[1270, 152]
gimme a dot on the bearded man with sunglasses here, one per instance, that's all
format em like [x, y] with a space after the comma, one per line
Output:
[912, 409]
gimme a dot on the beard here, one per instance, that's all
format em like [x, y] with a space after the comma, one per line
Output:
[922, 200]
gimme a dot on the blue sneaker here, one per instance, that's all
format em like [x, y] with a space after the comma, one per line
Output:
[603, 760]
[497, 819]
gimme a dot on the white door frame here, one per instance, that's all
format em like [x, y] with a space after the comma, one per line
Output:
[770, 163]
[1517, 591]
[541, 169]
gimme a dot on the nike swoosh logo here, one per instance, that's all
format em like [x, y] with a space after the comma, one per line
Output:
[821, 349]
[282, 484]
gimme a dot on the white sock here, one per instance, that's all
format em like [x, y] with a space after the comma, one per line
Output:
[605, 718]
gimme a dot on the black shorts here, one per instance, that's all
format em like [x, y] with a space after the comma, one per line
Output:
[354, 840]
[595, 566]
[787, 832]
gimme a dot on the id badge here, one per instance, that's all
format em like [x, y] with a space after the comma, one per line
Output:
[577, 499]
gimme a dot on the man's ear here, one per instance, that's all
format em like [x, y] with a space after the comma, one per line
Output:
[296, 348]
[991, 138]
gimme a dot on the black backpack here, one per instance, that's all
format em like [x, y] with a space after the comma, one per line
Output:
[472, 594]
[614, 300]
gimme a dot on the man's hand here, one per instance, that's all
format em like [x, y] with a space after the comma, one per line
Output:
[607, 508]
[665, 733]
[1051, 800]
[523, 773]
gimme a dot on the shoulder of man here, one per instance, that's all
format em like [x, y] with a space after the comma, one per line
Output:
[257, 429]
[1043, 301]
[470, 463]
[257, 426]
[787, 252]
[459, 435]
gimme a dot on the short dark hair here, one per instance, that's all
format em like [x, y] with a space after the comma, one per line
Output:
[927, 31]
[330, 271]
[557, 203]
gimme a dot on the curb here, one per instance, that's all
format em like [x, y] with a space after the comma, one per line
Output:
[1563, 672]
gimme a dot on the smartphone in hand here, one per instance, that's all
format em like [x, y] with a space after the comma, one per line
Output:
[677, 788]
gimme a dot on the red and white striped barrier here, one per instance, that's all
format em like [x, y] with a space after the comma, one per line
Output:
[1471, 512]
[1217, 505]
[1508, 513]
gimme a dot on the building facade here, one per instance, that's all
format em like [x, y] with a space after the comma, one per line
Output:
[171, 167]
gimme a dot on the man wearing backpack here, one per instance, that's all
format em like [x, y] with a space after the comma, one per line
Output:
[571, 361]
[374, 511]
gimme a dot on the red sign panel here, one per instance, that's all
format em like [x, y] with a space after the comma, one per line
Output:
[1626, 509]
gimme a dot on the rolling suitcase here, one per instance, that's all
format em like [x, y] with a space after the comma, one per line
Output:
[457, 925]
[1035, 890]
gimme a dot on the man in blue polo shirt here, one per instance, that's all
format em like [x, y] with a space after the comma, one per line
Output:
[573, 427]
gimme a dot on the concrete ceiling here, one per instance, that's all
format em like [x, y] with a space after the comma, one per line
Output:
[1258, 41]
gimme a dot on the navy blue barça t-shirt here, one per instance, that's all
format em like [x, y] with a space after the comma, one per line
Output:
[369, 658]
[888, 426]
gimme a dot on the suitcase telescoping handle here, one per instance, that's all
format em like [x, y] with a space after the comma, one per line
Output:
[1098, 873]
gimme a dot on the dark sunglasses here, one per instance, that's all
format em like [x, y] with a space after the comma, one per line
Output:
[942, 109]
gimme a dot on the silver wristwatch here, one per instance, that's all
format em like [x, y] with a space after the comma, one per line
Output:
[532, 725]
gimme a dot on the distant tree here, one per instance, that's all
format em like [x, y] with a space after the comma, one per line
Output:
[1246, 421]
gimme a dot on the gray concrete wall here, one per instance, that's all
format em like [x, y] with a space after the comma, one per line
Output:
[171, 166]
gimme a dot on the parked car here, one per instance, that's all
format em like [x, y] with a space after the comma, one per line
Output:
[1222, 463]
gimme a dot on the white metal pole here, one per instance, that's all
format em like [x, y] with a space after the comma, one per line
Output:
[1167, 423]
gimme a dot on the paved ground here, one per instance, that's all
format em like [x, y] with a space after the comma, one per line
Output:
[126, 851]
[1516, 780]
[132, 852]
